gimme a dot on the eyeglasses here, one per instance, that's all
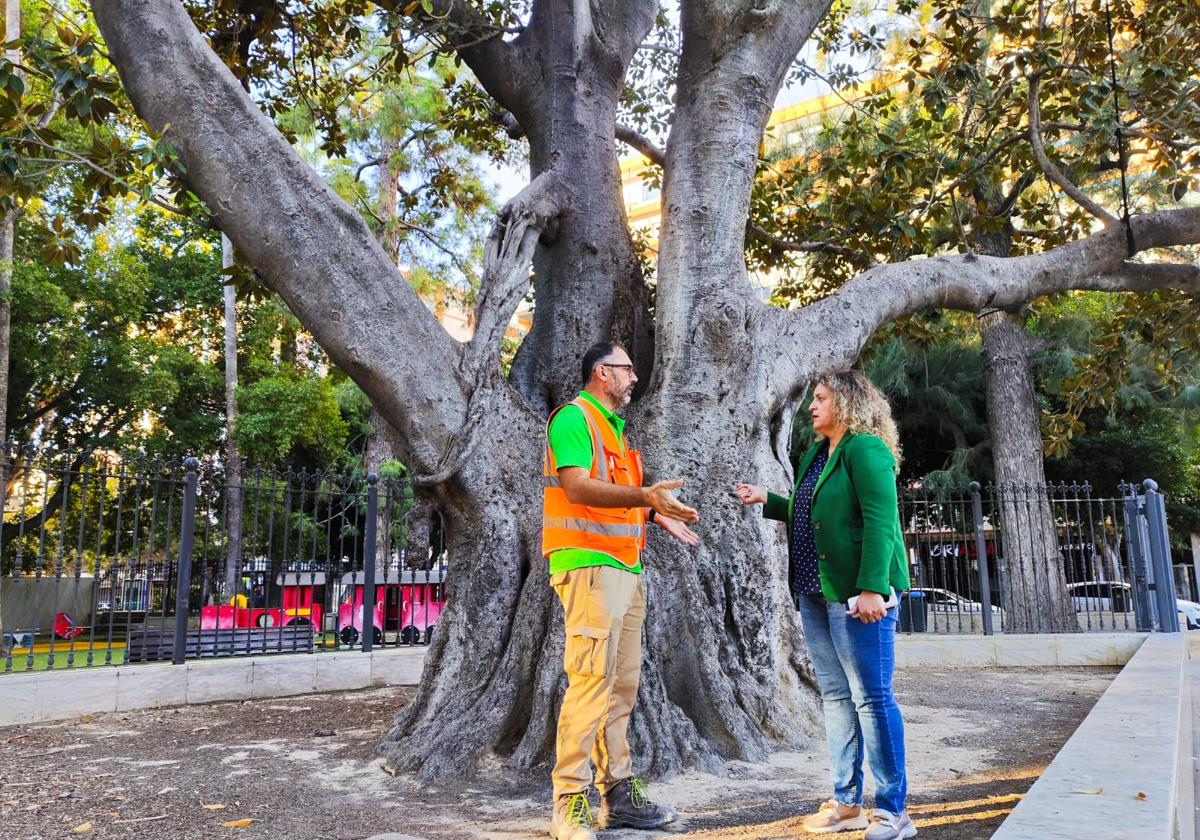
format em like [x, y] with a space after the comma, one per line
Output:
[619, 367]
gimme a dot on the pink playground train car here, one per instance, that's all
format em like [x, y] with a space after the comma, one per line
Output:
[407, 603]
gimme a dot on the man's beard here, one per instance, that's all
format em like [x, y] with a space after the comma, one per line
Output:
[619, 396]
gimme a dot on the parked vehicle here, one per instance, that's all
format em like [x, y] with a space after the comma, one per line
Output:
[1191, 612]
[945, 601]
[1101, 596]
[1117, 596]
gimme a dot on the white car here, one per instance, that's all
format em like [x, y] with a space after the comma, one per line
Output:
[1117, 596]
[1191, 612]
[945, 601]
[1101, 596]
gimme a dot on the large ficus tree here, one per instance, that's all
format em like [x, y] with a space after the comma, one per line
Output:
[724, 676]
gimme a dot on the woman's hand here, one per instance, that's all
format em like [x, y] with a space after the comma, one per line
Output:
[750, 494]
[677, 529]
[868, 608]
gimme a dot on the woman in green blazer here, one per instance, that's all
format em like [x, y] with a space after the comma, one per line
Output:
[844, 543]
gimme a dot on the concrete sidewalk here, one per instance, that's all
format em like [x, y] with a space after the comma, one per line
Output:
[1129, 769]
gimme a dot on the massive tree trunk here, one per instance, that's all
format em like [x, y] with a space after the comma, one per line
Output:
[587, 281]
[742, 688]
[1033, 576]
[724, 676]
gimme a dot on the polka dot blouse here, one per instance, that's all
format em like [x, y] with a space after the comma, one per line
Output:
[802, 548]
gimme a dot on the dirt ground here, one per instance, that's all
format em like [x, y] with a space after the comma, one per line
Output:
[304, 767]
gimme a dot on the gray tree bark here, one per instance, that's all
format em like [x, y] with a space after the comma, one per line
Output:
[1033, 575]
[8, 233]
[721, 388]
[233, 458]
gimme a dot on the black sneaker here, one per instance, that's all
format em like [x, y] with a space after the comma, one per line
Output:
[627, 805]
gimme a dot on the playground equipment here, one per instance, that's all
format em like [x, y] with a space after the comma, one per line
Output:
[299, 606]
[407, 603]
[65, 627]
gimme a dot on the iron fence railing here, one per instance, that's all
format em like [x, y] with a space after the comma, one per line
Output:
[1036, 559]
[105, 561]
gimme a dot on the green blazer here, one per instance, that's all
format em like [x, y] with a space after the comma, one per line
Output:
[855, 518]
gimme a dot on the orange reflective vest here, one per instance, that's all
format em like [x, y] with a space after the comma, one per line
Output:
[617, 532]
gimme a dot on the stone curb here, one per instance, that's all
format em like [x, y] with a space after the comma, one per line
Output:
[62, 695]
[1120, 774]
[1050, 650]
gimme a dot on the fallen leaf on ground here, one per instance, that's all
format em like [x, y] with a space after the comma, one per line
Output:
[239, 823]
[213, 807]
[1090, 791]
[82, 828]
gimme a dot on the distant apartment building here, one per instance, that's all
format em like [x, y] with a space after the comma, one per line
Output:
[459, 319]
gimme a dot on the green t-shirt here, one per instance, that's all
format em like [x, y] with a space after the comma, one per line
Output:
[571, 443]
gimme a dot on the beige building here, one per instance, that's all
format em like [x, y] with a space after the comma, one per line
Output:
[459, 319]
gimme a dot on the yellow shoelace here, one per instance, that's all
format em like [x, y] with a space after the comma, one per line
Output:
[637, 793]
[579, 812]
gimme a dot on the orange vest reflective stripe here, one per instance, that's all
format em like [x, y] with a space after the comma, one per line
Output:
[617, 532]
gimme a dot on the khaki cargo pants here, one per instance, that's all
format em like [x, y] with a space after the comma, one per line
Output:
[603, 609]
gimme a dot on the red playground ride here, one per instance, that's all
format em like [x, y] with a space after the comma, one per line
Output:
[299, 606]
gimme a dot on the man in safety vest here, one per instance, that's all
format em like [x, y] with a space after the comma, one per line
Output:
[594, 514]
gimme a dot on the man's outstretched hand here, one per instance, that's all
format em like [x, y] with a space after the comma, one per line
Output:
[677, 529]
[658, 496]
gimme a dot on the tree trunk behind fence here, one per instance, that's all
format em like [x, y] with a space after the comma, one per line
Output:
[1034, 596]
[233, 459]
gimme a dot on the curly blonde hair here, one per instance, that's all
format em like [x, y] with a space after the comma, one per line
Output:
[862, 407]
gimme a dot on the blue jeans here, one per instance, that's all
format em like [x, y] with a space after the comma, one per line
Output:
[854, 663]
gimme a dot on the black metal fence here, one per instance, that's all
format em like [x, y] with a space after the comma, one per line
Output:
[105, 561]
[108, 561]
[1037, 559]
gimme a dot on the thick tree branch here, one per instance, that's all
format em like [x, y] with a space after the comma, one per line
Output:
[306, 243]
[1146, 277]
[1047, 166]
[840, 325]
[622, 25]
[641, 143]
[508, 257]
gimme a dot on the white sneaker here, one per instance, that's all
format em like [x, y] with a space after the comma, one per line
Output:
[888, 826]
[834, 816]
